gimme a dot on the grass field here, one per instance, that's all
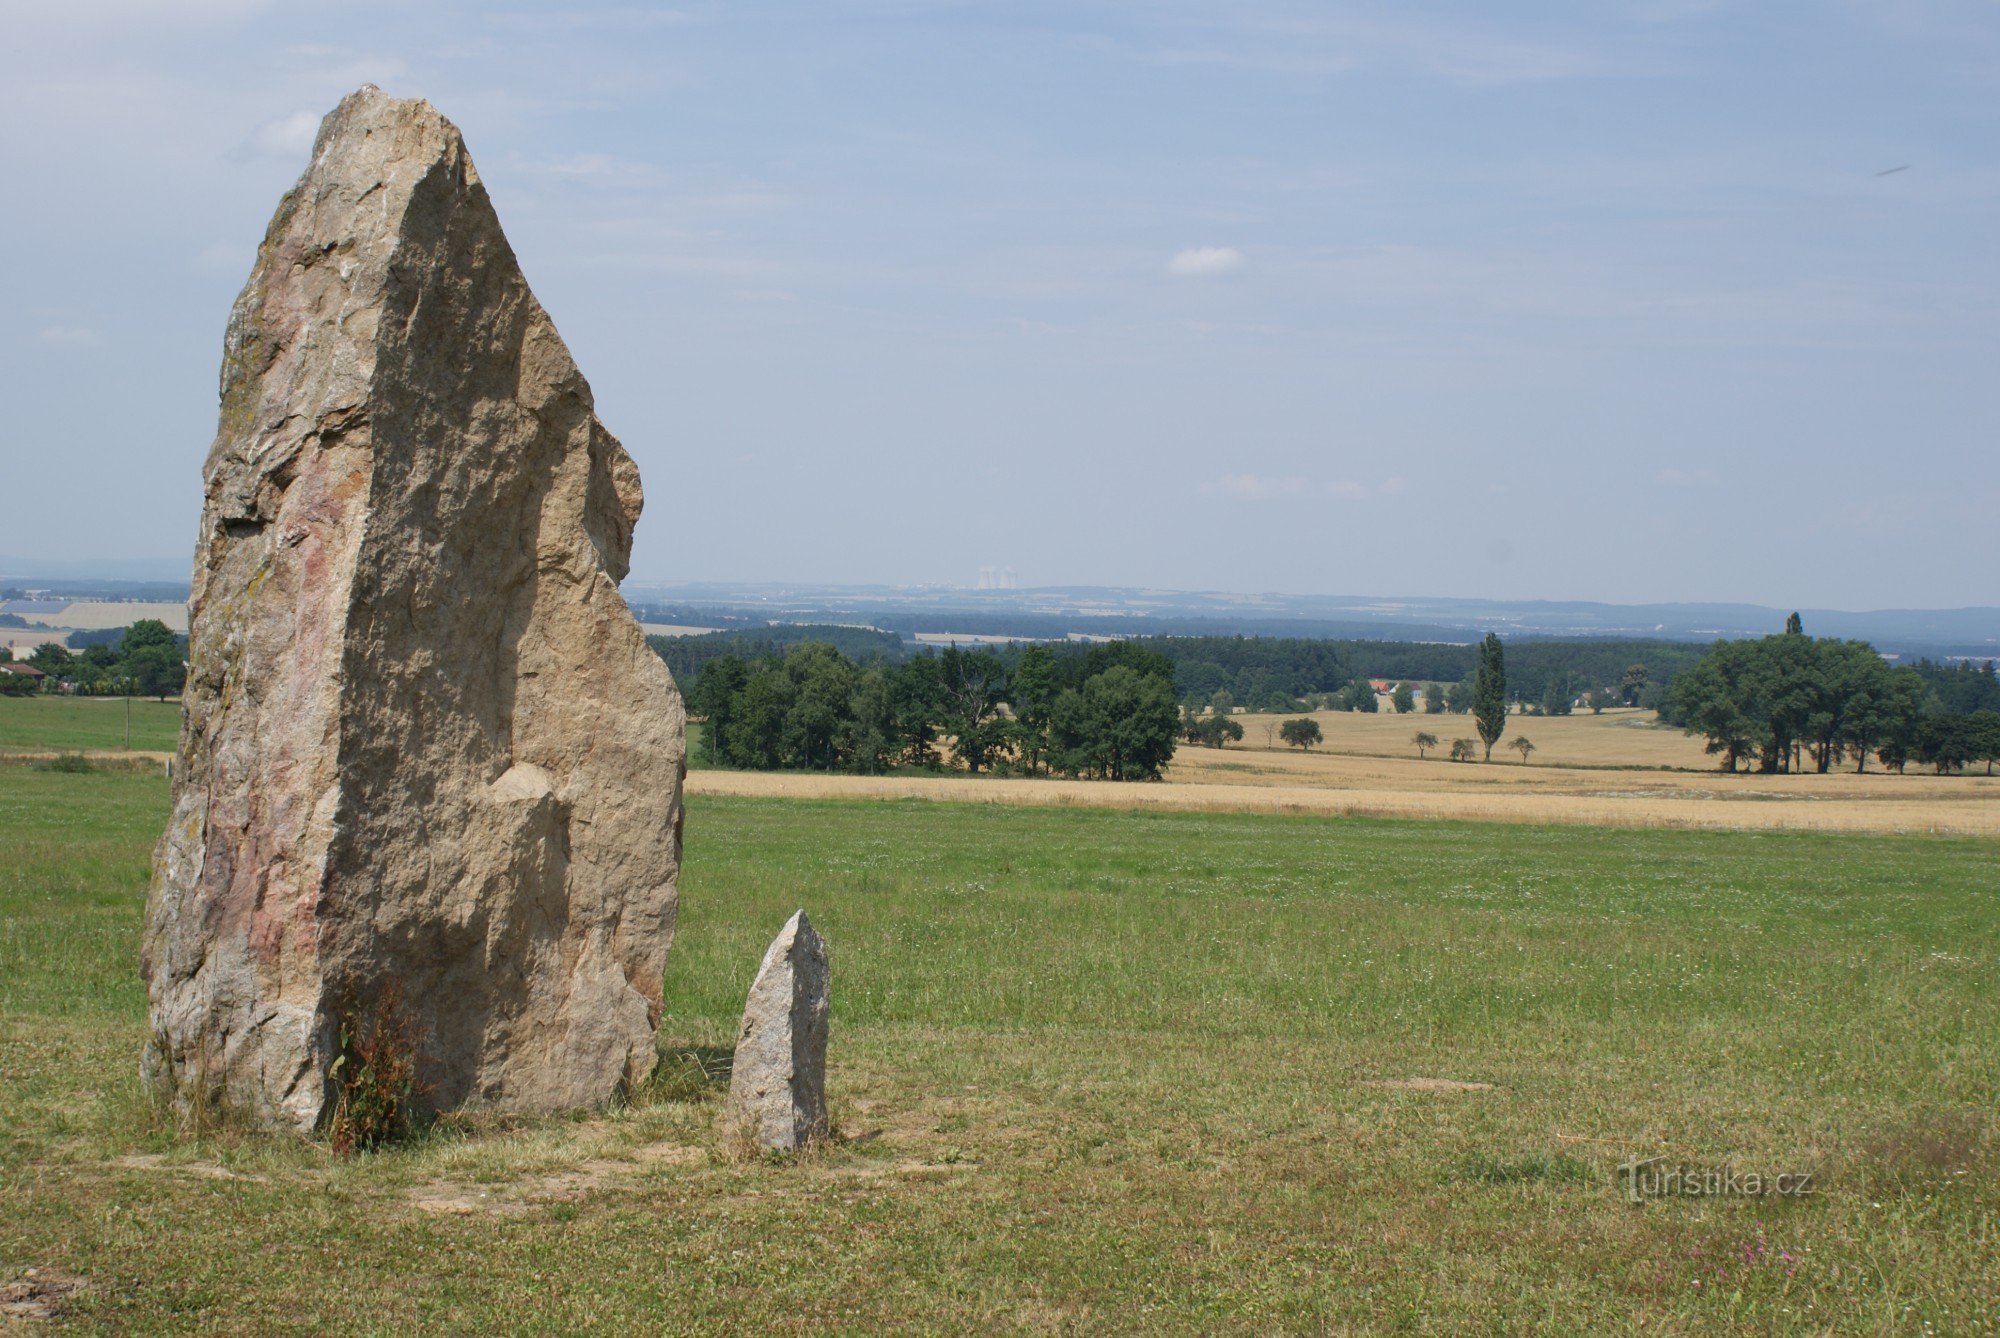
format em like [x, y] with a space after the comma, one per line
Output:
[1108, 1070]
[84, 724]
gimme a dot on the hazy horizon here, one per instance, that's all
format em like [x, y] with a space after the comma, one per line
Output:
[155, 571]
[1678, 301]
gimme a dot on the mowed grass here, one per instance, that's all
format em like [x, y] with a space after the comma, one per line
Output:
[1100, 1070]
[50, 722]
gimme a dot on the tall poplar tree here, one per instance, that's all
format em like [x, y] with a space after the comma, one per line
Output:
[1489, 693]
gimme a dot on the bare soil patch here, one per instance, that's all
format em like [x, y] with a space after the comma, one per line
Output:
[39, 1293]
[196, 1170]
[1429, 1085]
[524, 1194]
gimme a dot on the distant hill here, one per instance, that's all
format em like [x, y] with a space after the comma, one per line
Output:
[1056, 612]
[100, 575]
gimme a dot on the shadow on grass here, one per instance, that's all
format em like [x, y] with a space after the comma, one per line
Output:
[689, 1074]
[1485, 1169]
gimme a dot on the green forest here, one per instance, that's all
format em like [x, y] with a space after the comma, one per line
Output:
[1108, 713]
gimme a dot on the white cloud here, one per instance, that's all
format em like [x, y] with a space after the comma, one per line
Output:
[1275, 40]
[1269, 487]
[1353, 490]
[289, 136]
[75, 335]
[1253, 487]
[1201, 262]
[121, 16]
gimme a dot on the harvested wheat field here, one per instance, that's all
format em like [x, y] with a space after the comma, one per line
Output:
[675, 629]
[1965, 806]
[22, 641]
[91, 615]
[1618, 770]
[1625, 738]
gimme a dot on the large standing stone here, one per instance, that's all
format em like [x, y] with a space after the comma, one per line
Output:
[777, 1089]
[425, 743]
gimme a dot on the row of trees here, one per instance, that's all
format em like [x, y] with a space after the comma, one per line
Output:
[1549, 675]
[1282, 674]
[1462, 750]
[147, 660]
[1789, 701]
[1561, 692]
[1108, 714]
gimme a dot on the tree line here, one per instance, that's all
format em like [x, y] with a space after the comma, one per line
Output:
[1264, 673]
[1790, 701]
[1108, 713]
[146, 660]
[1282, 674]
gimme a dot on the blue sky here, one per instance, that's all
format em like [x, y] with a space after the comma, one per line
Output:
[1599, 300]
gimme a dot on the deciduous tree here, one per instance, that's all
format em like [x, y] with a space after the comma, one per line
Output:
[1633, 684]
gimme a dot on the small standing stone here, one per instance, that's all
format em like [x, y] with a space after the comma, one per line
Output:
[777, 1089]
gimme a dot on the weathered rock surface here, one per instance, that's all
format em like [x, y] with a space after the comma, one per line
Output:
[425, 742]
[777, 1089]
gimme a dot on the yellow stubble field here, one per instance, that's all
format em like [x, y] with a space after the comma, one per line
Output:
[1619, 769]
[92, 615]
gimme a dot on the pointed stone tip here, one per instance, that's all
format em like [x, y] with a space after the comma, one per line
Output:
[797, 931]
[360, 97]
[370, 104]
[368, 120]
